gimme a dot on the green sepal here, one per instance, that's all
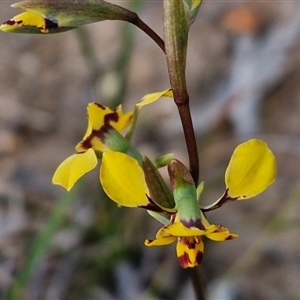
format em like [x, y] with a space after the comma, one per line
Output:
[159, 191]
[199, 189]
[159, 217]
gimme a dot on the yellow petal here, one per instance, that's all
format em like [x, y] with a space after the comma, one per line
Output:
[92, 142]
[252, 168]
[124, 119]
[195, 4]
[26, 19]
[178, 229]
[161, 241]
[99, 114]
[88, 130]
[123, 180]
[73, 168]
[190, 251]
[221, 234]
[149, 98]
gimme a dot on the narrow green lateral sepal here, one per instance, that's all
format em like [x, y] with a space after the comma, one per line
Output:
[199, 189]
[159, 191]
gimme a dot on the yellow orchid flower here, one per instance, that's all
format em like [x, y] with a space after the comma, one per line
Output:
[123, 179]
[190, 246]
[102, 134]
[100, 120]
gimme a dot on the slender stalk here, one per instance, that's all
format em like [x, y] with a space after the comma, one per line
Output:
[176, 37]
[149, 31]
[190, 139]
[198, 284]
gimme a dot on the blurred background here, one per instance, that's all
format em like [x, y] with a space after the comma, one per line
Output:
[243, 75]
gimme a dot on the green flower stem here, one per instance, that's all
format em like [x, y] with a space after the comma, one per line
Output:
[190, 139]
[198, 284]
[176, 36]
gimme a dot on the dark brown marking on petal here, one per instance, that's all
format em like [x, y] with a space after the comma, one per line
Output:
[10, 22]
[99, 134]
[199, 257]
[184, 260]
[102, 131]
[193, 223]
[100, 105]
[190, 242]
[51, 24]
[218, 229]
[112, 117]
[230, 237]
[86, 144]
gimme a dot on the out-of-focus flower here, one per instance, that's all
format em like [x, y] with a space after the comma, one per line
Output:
[43, 16]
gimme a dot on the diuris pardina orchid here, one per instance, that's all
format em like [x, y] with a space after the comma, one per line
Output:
[131, 180]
